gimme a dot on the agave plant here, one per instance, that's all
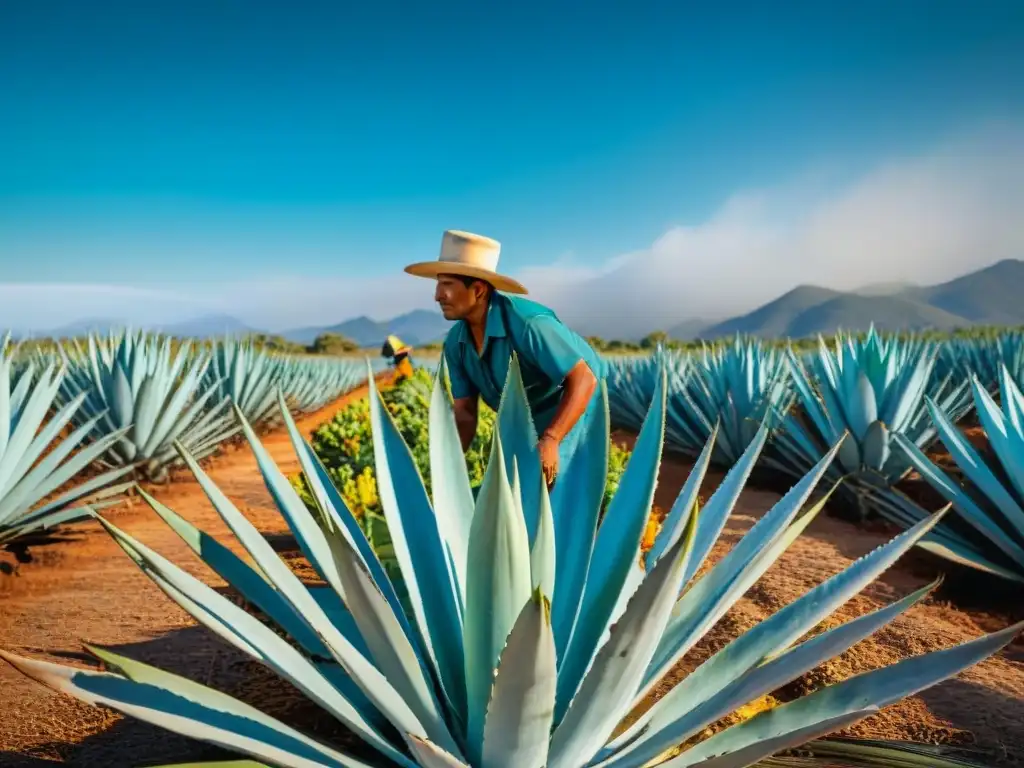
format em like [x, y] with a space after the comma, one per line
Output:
[29, 475]
[867, 391]
[631, 384]
[1009, 354]
[526, 638]
[132, 385]
[991, 503]
[311, 383]
[247, 375]
[981, 357]
[736, 387]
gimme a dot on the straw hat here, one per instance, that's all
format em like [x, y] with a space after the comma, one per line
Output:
[463, 253]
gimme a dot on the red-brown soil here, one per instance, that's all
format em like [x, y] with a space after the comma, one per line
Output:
[85, 589]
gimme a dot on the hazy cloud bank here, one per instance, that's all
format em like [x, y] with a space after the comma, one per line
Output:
[923, 219]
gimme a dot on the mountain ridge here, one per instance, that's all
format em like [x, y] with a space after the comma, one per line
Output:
[416, 327]
[987, 296]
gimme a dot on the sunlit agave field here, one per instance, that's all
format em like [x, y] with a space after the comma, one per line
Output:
[884, 403]
[450, 610]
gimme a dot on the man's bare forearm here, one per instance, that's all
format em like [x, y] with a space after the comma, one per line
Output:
[466, 414]
[579, 387]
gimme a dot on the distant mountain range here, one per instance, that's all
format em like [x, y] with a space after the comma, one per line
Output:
[989, 296]
[418, 327]
[421, 326]
[205, 327]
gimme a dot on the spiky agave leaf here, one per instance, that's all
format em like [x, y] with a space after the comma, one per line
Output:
[990, 534]
[633, 379]
[734, 388]
[311, 383]
[729, 389]
[246, 375]
[389, 674]
[872, 753]
[133, 385]
[27, 477]
[869, 390]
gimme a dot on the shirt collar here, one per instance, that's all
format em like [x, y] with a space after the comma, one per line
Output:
[495, 327]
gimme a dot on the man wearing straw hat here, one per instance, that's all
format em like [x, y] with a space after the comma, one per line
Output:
[560, 369]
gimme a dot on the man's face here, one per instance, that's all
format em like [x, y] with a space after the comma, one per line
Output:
[457, 300]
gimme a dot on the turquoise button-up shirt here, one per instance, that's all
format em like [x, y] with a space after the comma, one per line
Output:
[547, 351]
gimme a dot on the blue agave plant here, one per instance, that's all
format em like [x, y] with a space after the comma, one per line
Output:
[311, 383]
[861, 396]
[991, 501]
[736, 388]
[632, 380]
[246, 375]
[251, 377]
[133, 385]
[531, 631]
[982, 357]
[27, 477]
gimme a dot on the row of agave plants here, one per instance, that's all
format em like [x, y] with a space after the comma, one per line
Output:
[123, 403]
[885, 401]
[532, 626]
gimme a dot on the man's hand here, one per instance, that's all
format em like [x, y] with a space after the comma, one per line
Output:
[578, 387]
[547, 447]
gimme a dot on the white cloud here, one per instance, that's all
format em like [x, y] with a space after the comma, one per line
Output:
[922, 219]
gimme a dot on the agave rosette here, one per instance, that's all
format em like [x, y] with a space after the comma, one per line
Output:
[528, 632]
[868, 390]
[248, 376]
[135, 386]
[311, 383]
[1010, 355]
[990, 533]
[632, 381]
[981, 357]
[735, 387]
[29, 475]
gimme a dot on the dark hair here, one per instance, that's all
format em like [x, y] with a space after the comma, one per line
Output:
[468, 280]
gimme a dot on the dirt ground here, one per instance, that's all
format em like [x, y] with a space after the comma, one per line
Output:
[83, 588]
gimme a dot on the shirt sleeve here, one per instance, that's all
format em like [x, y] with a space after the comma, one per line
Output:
[459, 382]
[551, 347]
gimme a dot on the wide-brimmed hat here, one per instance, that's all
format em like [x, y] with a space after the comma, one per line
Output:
[463, 253]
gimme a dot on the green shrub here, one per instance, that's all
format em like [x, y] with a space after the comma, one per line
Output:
[345, 446]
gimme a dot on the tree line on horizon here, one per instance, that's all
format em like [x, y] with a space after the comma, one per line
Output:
[336, 344]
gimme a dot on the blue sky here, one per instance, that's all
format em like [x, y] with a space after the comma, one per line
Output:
[226, 154]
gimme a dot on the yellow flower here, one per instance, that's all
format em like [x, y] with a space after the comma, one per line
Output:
[351, 496]
[367, 487]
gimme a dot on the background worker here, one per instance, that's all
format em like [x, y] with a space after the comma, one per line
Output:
[399, 355]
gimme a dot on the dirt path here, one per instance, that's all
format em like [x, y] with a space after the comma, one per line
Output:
[88, 590]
